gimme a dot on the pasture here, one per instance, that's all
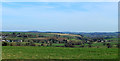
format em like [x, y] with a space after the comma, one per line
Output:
[32, 52]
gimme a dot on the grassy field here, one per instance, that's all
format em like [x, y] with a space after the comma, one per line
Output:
[30, 52]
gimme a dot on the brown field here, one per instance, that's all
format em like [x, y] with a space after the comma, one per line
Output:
[64, 34]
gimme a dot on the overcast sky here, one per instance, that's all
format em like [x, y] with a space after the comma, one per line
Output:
[64, 16]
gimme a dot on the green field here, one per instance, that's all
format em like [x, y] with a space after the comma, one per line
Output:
[31, 52]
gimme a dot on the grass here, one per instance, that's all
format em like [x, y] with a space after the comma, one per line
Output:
[53, 45]
[30, 52]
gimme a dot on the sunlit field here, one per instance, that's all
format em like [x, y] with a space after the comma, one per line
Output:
[30, 52]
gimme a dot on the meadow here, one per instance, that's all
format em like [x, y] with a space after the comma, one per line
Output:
[32, 52]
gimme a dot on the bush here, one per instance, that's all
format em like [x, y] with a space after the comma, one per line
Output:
[44, 44]
[104, 44]
[33, 45]
[4, 44]
[13, 44]
[69, 45]
[118, 46]
[89, 45]
[18, 44]
[109, 45]
[82, 46]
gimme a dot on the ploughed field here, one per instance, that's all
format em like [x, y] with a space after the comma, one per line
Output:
[32, 52]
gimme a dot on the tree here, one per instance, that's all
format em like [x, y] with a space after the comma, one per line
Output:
[13, 33]
[43, 44]
[104, 44]
[68, 45]
[82, 46]
[118, 45]
[89, 45]
[4, 44]
[18, 44]
[109, 45]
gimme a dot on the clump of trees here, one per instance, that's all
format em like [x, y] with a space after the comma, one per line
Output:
[89, 45]
[118, 45]
[82, 46]
[4, 44]
[69, 44]
[17, 44]
[109, 45]
[44, 44]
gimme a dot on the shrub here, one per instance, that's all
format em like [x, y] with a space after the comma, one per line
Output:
[82, 46]
[89, 45]
[4, 43]
[44, 44]
[118, 46]
[109, 45]
[69, 45]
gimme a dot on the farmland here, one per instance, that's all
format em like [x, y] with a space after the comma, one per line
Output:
[30, 52]
[56, 45]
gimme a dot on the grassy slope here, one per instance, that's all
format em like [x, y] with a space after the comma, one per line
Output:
[29, 52]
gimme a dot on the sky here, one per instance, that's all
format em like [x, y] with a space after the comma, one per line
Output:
[60, 16]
